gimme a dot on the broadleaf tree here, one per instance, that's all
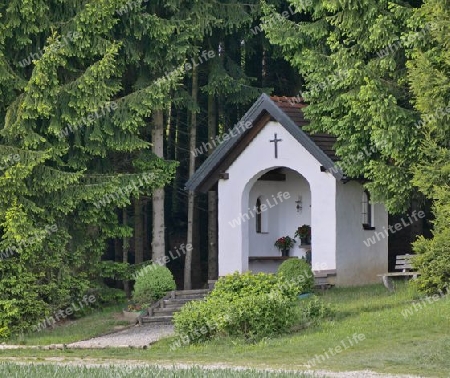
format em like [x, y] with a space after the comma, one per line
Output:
[352, 56]
[429, 77]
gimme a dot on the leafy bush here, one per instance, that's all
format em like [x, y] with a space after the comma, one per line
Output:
[152, 283]
[249, 305]
[116, 270]
[298, 271]
[108, 295]
[260, 315]
[313, 309]
[197, 321]
[433, 255]
[240, 285]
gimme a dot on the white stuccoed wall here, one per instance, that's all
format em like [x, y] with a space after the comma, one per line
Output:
[234, 199]
[358, 264]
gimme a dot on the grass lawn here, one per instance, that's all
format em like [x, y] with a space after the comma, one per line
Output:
[98, 323]
[416, 344]
[39, 371]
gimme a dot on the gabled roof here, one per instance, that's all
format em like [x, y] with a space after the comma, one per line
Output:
[286, 111]
[291, 106]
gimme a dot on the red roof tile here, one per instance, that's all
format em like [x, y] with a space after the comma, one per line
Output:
[292, 107]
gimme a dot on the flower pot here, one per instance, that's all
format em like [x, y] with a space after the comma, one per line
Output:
[304, 240]
[285, 252]
[131, 315]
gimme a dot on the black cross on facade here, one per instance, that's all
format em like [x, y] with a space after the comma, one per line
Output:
[275, 141]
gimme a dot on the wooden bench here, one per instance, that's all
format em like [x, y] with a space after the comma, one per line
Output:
[267, 264]
[403, 263]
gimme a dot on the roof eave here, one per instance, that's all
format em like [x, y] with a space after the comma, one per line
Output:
[263, 104]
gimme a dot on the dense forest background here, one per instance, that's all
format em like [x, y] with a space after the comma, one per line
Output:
[104, 102]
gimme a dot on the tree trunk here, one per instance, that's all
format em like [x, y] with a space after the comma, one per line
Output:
[158, 240]
[117, 256]
[176, 141]
[169, 132]
[191, 194]
[263, 68]
[145, 236]
[138, 231]
[125, 248]
[213, 262]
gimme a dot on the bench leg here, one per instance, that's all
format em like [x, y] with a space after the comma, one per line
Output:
[387, 281]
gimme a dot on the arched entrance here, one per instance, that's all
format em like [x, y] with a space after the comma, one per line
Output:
[278, 202]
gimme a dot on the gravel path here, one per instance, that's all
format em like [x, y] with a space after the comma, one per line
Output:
[139, 336]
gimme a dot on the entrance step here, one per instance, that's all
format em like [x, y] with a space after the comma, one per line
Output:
[162, 311]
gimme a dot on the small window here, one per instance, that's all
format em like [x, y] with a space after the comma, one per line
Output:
[258, 216]
[366, 211]
[262, 216]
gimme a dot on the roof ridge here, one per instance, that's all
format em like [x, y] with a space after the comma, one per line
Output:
[291, 100]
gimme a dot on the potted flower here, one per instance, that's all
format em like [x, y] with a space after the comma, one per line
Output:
[133, 310]
[304, 234]
[284, 244]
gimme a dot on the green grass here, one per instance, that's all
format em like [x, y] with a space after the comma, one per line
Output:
[11, 370]
[100, 322]
[418, 344]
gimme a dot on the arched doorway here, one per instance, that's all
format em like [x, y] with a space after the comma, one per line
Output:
[279, 201]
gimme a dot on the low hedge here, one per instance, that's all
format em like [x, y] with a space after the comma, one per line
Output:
[246, 305]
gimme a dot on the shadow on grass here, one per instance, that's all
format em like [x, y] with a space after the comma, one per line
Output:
[351, 302]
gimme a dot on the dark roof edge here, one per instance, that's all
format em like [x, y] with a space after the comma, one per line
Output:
[220, 152]
[263, 103]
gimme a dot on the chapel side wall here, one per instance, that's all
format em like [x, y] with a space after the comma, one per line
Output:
[258, 158]
[229, 238]
[357, 264]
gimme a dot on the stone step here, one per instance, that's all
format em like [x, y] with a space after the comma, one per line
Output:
[176, 301]
[211, 284]
[190, 292]
[165, 311]
[173, 305]
[190, 296]
[162, 319]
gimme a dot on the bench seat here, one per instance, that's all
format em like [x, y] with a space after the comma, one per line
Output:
[270, 258]
[398, 274]
[403, 262]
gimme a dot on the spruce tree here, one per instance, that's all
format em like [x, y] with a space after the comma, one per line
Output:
[79, 82]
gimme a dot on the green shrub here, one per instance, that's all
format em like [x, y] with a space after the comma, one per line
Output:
[313, 309]
[244, 284]
[244, 305]
[299, 272]
[197, 320]
[260, 315]
[109, 295]
[116, 270]
[152, 283]
[433, 255]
